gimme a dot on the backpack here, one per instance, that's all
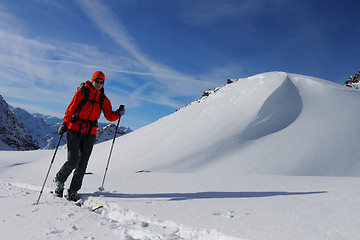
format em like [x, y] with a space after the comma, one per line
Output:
[85, 93]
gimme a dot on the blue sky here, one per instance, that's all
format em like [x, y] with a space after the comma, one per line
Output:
[159, 55]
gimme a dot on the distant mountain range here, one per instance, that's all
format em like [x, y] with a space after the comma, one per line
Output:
[21, 130]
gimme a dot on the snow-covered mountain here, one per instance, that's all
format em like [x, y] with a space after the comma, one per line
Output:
[12, 133]
[44, 129]
[274, 156]
[45, 134]
[107, 131]
[273, 123]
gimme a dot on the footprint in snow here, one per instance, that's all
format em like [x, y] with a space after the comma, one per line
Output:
[230, 214]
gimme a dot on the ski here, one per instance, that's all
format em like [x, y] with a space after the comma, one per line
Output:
[96, 208]
[91, 206]
[95, 203]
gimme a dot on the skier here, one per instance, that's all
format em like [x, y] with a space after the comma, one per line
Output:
[80, 123]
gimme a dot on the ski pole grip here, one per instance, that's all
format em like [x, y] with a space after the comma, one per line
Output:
[122, 107]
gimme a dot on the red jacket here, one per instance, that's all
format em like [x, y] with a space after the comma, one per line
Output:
[89, 112]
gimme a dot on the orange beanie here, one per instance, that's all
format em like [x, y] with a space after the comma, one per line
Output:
[98, 74]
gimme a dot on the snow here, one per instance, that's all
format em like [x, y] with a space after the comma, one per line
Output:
[272, 156]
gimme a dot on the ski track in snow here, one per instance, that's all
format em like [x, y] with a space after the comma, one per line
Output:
[113, 222]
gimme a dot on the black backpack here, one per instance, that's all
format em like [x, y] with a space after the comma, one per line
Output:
[85, 93]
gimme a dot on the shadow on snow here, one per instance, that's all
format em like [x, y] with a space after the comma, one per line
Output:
[200, 195]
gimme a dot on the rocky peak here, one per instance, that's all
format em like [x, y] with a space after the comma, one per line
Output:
[12, 133]
[353, 81]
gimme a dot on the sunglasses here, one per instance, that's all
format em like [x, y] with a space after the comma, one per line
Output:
[99, 80]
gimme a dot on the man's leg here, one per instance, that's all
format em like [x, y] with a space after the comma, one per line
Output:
[86, 146]
[73, 146]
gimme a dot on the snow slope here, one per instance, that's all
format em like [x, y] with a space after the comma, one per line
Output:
[273, 156]
[273, 123]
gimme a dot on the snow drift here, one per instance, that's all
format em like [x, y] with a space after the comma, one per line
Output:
[271, 123]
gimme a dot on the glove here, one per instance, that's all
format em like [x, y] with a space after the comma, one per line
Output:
[121, 111]
[63, 129]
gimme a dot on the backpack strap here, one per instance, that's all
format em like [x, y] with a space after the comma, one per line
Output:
[85, 93]
[102, 98]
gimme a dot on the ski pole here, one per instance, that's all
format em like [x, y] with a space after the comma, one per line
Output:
[112, 145]
[52, 161]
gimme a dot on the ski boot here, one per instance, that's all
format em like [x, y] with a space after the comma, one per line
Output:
[73, 196]
[59, 188]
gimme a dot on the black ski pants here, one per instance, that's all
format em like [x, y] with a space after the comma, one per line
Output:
[79, 147]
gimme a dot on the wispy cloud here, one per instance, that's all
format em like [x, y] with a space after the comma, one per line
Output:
[39, 69]
[171, 82]
[36, 70]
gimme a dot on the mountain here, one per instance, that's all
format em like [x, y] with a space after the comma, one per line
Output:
[107, 132]
[12, 133]
[44, 133]
[50, 120]
[271, 123]
[273, 156]
[44, 129]
[353, 81]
